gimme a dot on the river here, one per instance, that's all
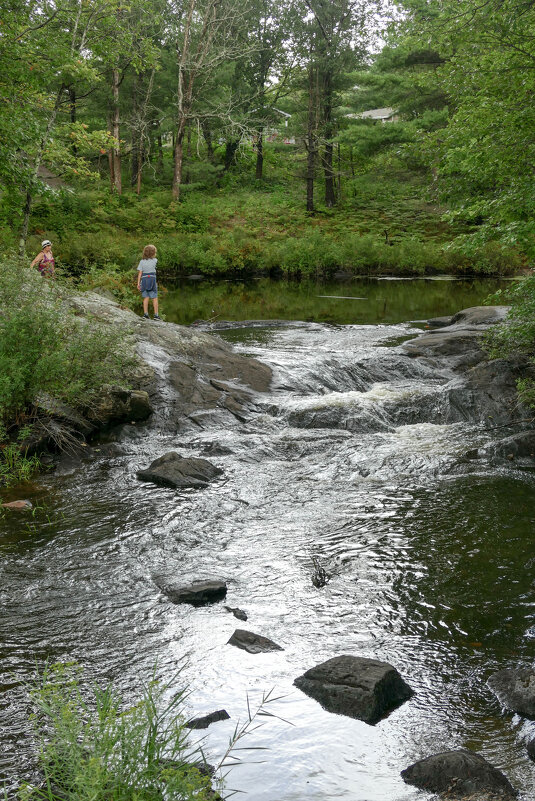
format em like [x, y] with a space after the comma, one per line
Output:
[354, 457]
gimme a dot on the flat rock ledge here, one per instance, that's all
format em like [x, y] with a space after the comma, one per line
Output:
[515, 689]
[198, 593]
[365, 689]
[173, 470]
[459, 774]
[253, 643]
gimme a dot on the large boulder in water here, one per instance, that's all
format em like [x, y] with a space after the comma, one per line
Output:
[366, 689]
[460, 774]
[173, 470]
[516, 690]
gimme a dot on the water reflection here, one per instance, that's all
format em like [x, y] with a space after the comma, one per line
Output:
[386, 301]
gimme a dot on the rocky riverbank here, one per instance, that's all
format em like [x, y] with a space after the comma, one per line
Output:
[188, 381]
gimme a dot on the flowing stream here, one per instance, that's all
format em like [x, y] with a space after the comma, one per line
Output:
[356, 457]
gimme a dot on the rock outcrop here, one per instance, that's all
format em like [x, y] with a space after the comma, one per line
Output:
[461, 775]
[366, 689]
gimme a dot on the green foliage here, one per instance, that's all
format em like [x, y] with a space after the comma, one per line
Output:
[15, 465]
[45, 348]
[515, 338]
[93, 747]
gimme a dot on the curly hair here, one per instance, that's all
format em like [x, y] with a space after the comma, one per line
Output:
[149, 252]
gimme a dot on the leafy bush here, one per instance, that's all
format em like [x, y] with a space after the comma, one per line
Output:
[45, 348]
[99, 749]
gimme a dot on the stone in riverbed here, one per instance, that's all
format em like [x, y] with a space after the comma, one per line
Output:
[366, 689]
[18, 506]
[239, 613]
[172, 470]
[253, 643]
[460, 774]
[204, 722]
[516, 690]
[198, 593]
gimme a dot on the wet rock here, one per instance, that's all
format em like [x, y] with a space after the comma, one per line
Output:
[515, 689]
[198, 593]
[172, 470]
[459, 341]
[204, 722]
[117, 405]
[480, 315]
[47, 406]
[239, 613]
[366, 689]
[459, 773]
[253, 643]
[439, 322]
[517, 446]
[18, 506]
[530, 748]
[460, 347]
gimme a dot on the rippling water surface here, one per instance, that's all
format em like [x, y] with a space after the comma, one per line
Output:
[430, 555]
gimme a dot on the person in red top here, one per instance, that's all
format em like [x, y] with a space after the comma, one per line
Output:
[45, 260]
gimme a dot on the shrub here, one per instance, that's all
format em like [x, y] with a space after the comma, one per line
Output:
[92, 747]
[45, 348]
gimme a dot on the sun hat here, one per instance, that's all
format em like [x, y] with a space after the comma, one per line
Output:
[45, 242]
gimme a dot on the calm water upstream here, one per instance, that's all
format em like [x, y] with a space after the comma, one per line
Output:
[354, 457]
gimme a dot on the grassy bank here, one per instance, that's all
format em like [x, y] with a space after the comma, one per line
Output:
[385, 224]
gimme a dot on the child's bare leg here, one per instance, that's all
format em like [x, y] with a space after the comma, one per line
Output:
[145, 305]
[155, 304]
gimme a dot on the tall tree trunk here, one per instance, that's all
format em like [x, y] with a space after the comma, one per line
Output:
[72, 112]
[311, 137]
[230, 152]
[178, 159]
[136, 135]
[330, 192]
[110, 158]
[116, 153]
[35, 170]
[160, 153]
[260, 155]
[207, 133]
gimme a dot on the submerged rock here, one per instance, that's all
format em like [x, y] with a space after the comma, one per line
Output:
[530, 748]
[204, 722]
[366, 689]
[515, 689]
[198, 593]
[18, 506]
[253, 643]
[460, 774]
[173, 470]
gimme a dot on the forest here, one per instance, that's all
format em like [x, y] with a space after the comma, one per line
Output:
[238, 138]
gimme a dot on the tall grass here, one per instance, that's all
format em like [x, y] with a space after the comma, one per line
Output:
[94, 747]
